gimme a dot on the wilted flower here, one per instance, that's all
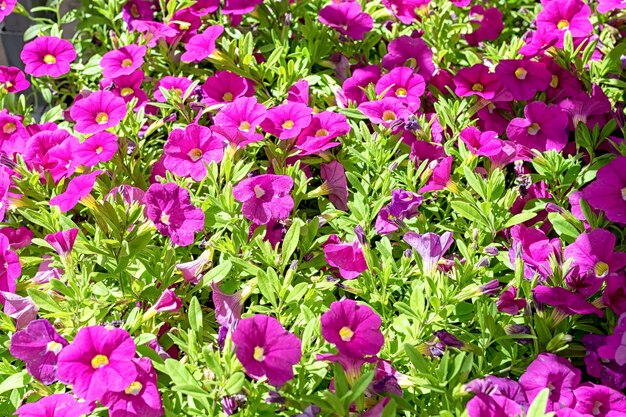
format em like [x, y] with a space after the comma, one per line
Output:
[566, 302]
[62, 241]
[10, 268]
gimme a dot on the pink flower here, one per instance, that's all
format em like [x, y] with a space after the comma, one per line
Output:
[55, 405]
[605, 6]
[614, 345]
[18, 238]
[550, 370]
[225, 87]
[170, 209]
[123, 61]
[153, 31]
[239, 7]
[201, 46]
[127, 87]
[10, 268]
[320, 133]
[100, 147]
[6, 8]
[168, 302]
[12, 80]
[187, 152]
[566, 302]
[98, 360]
[353, 328]
[567, 15]
[599, 401]
[299, 92]
[347, 257]
[614, 294]
[430, 246]
[336, 184]
[39, 346]
[608, 191]
[543, 128]
[287, 120]
[386, 111]
[45, 272]
[593, 253]
[523, 78]
[97, 112]
[62, 241]
[347, 18]
[487, 24]
[440, 178]
[404, 84]
[507, 303]
[137, 10]
[244, 114]
[177, 86]
[405, 51]
[22, 309]
[481, 143]
[476, 80]
[265, 348]
[265, 197]
[353, 87]
[140, 398]
[403, 205]
[78, 189]
[406, 10]
[483, 405]
[193, 270]
[48, 55]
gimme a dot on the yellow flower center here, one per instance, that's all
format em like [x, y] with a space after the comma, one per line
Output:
[102, 118]
[3, 5]
[99, 150]
[601, 269]
[288, 124]
[134, 388]
[244, 126]
[554, 82]
[346, 334]
[624, 193]
[54, 347]
[401, 92]
[521, 73]
[320, 133]
[563, 24]
[596, 411]
[165, 218]
[258, 191]
[127, 62]
[49, 59]
[259, 354]
[99, 361]
[389, 116]
[9, 128]
[184, 26]
[195, 154]
[178, 91]
[126, 91]
[533, 129]
[478, 87]
[228, 96]
[8, 84]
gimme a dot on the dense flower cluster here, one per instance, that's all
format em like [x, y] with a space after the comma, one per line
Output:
[336, 208]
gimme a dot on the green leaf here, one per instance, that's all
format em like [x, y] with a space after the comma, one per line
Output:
[290, 244]
[216, 274]
[234, 383]
[44, 301]
[195, 316]
[14, 381]
[538, 407]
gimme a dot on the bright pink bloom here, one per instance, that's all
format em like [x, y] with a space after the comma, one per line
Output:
[507, 303]
[39, 346]
[287, 120]
[347, 257]
[6, 8]
[204, 7]
[523, 78]
[227, 306]
[97, 148]
[201, 46]
[335, 181]
[481, 143]
[98, 360]
[299, 92]
[265, 197]
[566, 15]
[593, 253]
[12, 80]
[591, 110]
[353, 87]
[605, 6]
[476, 80]
[245, 114]
[55, 405]
[177, 86]
[168, 302]
[320, 133]
[153, 31]
[170, 209]
[353, 328]
[347, 18]
[13, 134]
[599, 401]
[193, 270]
[543, 128]
[404, 84]
[18, 238]
[225, 87]
[483, 405]
[406, 10]
[97, 112]
[239, 7]
[265, 348]
[137, 10]
[127, 87]
[10, 268]
[608, 191]
[123, 61]
[440, 178]
[405, 51]
[48, 55]
[77, 189]
[187, 152]
[550, 370]
[62, 241]
[386, 111]
[566, 302]
[22, 309]
[46, 272]
[487, 24]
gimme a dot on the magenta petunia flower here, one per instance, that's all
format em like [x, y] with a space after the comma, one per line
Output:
[244, 114]
[543, 128]
[386, 111]
[550, 370]
[100, 147]
[593, 254]
[614, 345]
[353, 87]
[347, 18]
[55, 405]
[128, 87]
[123, 61]
[347, 257]
[606, 6]
[140, 398]
[287, 120]
[566, 302]
[483, 405]
[239, 7]
[187, 152]
[405, 51]
[487, 24]
[430, 246]
[193, 270]
[335, 184]
[535, 248]
[46, 272]
[591, 110]
[5, 185]
[62, 241]
[614, 294]
[18, 238]
[403, 205]
[599, 401]
[152, 31]
[265, 348]
[202, 45]
[476, 80]
[137, 10]
[507, 303]
[22, 309]
[608, 191]
[168, 302]
[48, 55]
[406, 11]
[170, 209]
[98, 360]
[265, 197]
[97, 112]
[299, 92]
[12, 80]
[523, 78]
[6, 8]
[557, 17]
[204, 7]
[78, 189]
[440, 178]
[404, 84]
[39, 346]
[319, 135]
[225, 87]
[353, 328]
[177, 86]
[10, 268]
[481, 143]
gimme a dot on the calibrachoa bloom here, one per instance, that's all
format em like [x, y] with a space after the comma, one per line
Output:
[244, 114]
[187, 152]
[598, 400]
[608, 191]
[566, 302]
[347, 257]
[98, 360]
[403, 205]
[22, 309]
[557, 17]
[335, 184]
[97, 148]
[550, 370]
[225, 87]
[487, 24]
[353, 328]
[265, 197]
[287, 120]
[55, 405]
[406, 10]
[386, 111]
[176, 86]
[476, 80]
[78, 189]
[404, 84]
[593, 253]
[170, 209]
[430, 246]
[440, 178]
[10, 268]
[201, 46]
[523, 78]
[123, 61]
[320, 134]
[62, 241]
[39, 346]
[6, 7]
[265, 348]
[410, 52]
[127, 87]
[543, 128]
[507, 303]
[98, 111]
[48, 55]
[347, 18]
[12, 80]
